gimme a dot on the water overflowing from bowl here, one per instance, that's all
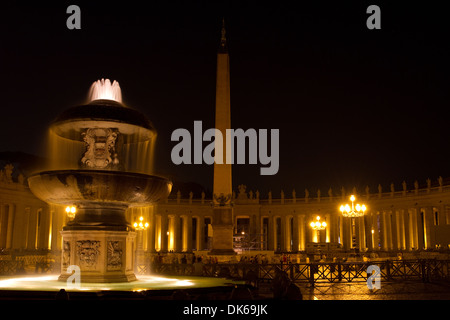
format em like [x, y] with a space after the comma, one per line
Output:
[104, 89]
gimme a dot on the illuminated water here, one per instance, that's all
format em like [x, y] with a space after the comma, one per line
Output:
[104, 89]
[144, 282]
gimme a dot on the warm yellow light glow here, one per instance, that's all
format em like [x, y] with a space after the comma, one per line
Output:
[342, 208]
[358, 207]
[363, 208]
[347, 208]
[352, 198]
[135, 225]
[71, 210]
[141, 225]
[372, 231]
[317, 225]
[141, 218]
[146, 225]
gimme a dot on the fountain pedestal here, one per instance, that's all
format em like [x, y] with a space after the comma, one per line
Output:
[103, 256]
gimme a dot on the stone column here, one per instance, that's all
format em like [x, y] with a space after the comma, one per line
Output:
[257, 229]
[442, 215]
[201, 233]
[164, 230]
[302, 233]
[346, 233]
[394, 231]
[384, 231]
[270, 233]
[177, 236]
[389, 231]
[189, 233]
[10, 228]
[284, 233]
[151, 231]
[429, 226]
[369, 235]
[341, 230]
[407, 229]
[295, 235]
[413, 228]
[309, 233]
[362, 234]
[420, 229]
[3, 225]
[401, 229]
[376, 234]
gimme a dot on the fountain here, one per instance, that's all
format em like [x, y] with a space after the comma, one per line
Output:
[102, 183]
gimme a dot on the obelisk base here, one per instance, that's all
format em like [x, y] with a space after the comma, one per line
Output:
[222, 243]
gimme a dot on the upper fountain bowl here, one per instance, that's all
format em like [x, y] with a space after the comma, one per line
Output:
[132, 124]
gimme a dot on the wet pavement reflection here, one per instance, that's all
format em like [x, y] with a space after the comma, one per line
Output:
[398, 290]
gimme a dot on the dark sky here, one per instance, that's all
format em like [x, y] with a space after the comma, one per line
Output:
[354, 106]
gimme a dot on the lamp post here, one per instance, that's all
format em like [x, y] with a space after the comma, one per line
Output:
[318, 226]
[140, 227]
[355, 211]
[140, 259]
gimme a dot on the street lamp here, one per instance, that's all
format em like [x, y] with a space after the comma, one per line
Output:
[71, 211]
[141, 225]
[318, 226]
[354, 211]
[140, 258]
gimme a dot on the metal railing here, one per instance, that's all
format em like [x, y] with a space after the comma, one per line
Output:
[425, 270]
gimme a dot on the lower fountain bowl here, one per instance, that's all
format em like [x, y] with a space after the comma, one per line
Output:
[99, 187]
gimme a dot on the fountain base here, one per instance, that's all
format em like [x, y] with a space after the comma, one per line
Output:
[102, 256]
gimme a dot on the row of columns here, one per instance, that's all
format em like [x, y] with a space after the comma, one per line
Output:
[169, 232]
[25, 228]
[395, 229]
[400, 229]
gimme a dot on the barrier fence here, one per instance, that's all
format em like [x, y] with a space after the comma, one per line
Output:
[312, 273]
[426, 270]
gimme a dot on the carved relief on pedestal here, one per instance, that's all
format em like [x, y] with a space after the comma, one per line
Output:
[114, 255]
[66, 254]
[88, 251]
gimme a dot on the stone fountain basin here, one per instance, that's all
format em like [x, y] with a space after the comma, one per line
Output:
[97, 187]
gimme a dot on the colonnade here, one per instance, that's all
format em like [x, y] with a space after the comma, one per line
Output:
[390, 223]
[288, 230]
[25, 227]
[175, 232]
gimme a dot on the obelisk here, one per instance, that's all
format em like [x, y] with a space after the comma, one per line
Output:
[222, 223]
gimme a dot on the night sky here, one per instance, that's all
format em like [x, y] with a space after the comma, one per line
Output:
[354, 107]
